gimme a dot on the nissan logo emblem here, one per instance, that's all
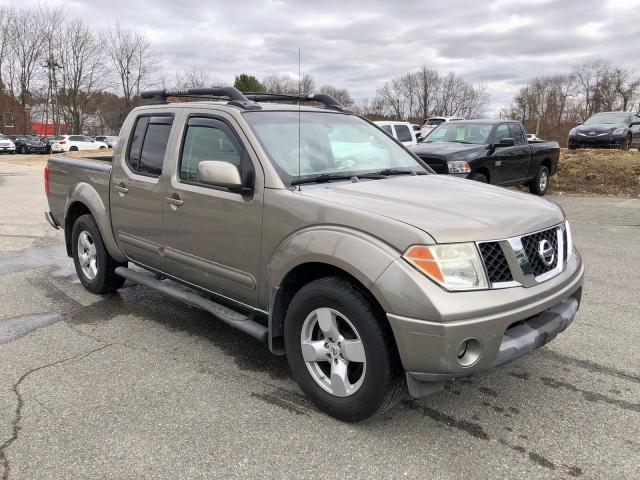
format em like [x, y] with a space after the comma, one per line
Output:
[546, 252]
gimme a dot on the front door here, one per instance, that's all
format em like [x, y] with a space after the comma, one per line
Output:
[137, 194]
[510, 164]
[212, 234]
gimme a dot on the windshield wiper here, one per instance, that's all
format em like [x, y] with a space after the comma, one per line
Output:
[323, 177]
[396, 171]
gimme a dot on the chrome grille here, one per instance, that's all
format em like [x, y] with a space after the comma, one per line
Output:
[495, 262]
[531, 244]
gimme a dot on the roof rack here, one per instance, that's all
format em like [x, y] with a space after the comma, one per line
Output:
[238, 99]
[327, 100]
[233, 94]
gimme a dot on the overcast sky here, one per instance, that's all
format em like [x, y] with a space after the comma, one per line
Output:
[359, 44]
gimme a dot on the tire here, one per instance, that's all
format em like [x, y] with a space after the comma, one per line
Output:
[373, 385]
[94, 266]
[572, 147]
[626, 146]
[73, 149]
[479, 177]
[102, 148]
[23, 150]
[540, 184]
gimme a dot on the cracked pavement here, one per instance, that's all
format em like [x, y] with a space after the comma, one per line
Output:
[134, 385]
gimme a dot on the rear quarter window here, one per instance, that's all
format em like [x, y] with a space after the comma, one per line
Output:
[404, 134]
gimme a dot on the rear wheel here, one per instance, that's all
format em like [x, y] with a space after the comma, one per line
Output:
[24, 150]
[94, 266]
[479, 177]
[73, 149]
[341, 351]
[540, 184]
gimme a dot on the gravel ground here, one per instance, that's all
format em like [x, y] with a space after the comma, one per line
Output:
[134, 385]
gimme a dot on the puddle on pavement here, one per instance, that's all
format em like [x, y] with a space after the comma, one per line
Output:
[12, 328]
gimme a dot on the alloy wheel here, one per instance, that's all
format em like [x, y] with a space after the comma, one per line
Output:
[87, 255]
[333, 352]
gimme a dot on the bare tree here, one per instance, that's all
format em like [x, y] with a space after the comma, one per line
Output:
[27, 48]
[132, 56]
[83, 69]
[6, 19]
[340, 94]
[288, 85]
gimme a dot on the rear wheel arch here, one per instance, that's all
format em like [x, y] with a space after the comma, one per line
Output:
[74, 211]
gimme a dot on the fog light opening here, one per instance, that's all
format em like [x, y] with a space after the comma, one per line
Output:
[469, 352]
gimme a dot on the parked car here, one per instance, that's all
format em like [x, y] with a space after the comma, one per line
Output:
[432, 122]
[73, 143]
[607, 130]
[401, 131]
[367, 271]
[418, 131]
[7, 145]
[110, 140]
[490, 151]
[28, 144]
[532, 137]
[50, 140]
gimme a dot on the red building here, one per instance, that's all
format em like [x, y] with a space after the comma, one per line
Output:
[12, 120]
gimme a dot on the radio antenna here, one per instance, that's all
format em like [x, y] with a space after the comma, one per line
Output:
[299, 94]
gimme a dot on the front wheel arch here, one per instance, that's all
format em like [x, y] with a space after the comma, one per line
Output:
[296, 279]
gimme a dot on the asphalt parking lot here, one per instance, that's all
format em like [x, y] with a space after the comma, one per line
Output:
[134, 385]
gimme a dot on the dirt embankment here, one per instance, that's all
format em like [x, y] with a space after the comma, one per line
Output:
[610, 173]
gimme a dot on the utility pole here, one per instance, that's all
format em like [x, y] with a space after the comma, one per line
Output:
[52, 93]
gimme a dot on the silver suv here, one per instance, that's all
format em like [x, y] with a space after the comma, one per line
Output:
[312, 230]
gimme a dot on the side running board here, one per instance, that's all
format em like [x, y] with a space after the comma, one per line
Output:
[190, 297]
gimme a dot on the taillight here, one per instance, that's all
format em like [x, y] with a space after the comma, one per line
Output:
[46, 180]
[62, 142]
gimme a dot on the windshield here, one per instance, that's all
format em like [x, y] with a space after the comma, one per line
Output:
[608, 118]
[330, 143]
[476, 133]
[4, 137]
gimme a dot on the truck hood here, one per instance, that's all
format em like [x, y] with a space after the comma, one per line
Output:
[446, 149]
[448, 209]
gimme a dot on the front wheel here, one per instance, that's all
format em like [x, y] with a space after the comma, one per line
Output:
[24, 150]
[94, 265]
[341, 350]
[540, 184]
[627, 144]
[479, 177]
[73, 149]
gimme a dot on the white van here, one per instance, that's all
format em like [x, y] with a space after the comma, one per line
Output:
[401, 131]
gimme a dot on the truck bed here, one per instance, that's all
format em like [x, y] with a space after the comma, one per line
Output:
[67, 175]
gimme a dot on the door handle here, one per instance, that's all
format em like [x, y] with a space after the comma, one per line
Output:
[175, 201]
[121, 189]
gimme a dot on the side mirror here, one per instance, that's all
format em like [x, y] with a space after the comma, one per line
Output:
[505, 142]
[578, 124]
[220, 174]
[633, 124]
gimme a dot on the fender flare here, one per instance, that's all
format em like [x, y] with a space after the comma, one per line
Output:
[87, 195]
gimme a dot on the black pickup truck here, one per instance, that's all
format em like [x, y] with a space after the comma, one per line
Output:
[490, 151]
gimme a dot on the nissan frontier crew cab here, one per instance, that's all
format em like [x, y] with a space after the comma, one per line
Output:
[310, 229]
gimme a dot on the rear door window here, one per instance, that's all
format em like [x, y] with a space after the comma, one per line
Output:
[403, 133]
[387, 129]
[76, 138]
[149, 144]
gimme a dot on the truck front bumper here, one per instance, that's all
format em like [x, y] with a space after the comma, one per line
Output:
[465, 332]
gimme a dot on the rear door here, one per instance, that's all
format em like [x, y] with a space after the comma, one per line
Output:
[510, 164]
[213, 234]
[137, 195]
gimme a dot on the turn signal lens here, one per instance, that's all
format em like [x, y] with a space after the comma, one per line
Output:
[453, 266]
[569, 245]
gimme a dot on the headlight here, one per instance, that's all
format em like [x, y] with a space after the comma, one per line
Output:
[459, 166]
[618, 131]
[455, 266]
[572, 132]
[569, 245]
